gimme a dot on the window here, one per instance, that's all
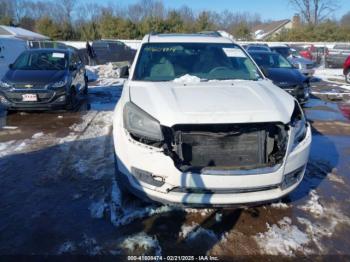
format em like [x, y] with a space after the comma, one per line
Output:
[168, 61]
[41, 60]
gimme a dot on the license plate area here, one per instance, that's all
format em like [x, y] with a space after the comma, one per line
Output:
[29, 98]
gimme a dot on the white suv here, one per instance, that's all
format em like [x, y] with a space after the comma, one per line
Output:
[199, 124]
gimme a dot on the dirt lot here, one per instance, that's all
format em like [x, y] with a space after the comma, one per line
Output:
[59, 196]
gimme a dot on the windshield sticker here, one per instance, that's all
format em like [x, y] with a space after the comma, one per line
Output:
[58, 55]
[234, 52]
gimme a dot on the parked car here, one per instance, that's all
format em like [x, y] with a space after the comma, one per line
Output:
[305, 66]
[10, 49]
[284, 50]
[255, 47]
[44, 79]
[199, 124]
[112, 51]
[306, 53]
[346, 70]
[337, 56]
[283, 74]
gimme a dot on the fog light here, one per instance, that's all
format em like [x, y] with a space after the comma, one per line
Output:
[292, 178]
[4, 101]
[147, 177]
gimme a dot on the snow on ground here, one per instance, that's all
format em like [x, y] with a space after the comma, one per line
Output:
[37, 135]
[282, 239]
[105, 75]
[329, 216]
[194, 231]
[335, 178]
[313, 205]
[131, 213]
[144, 242]
[329, 73]
[280, 205]
[325, 226]
[66, 247]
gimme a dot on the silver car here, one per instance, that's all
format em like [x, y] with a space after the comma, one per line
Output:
[305, 66]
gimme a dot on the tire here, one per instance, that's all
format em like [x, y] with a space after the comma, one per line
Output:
[85, 90]
[347, 76]
[71, 100]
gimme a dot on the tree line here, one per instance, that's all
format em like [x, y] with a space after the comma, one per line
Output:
[81, 20]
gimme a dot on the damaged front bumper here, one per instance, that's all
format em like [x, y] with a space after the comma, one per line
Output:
[152, 174]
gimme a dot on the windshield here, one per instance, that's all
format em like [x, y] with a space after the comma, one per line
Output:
[43, 60]
[271, 60]
[168, 61]
[285, 51]
[258, 48]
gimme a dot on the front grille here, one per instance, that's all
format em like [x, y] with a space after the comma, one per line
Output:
[28, 86]
[16, 97]
[228, 146]
[309, 66]
[222, 191]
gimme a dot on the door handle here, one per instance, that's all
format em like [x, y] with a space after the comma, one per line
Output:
[2, 56]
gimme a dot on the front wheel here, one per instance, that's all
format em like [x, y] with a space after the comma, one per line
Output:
[71, 99]
[86, 86]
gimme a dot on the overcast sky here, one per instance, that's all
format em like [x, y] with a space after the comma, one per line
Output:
[268, 9]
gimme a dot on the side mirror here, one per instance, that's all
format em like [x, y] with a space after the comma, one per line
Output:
[124, 72]
[264, 70]
[10, 66]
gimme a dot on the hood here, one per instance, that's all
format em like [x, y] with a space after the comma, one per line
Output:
[34, 77]
[299, 59]
[213, 102]
[285, 77]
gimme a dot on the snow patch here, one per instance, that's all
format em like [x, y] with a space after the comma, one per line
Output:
[329, 73]
[187, 79]
[194, 231]
[66, 247]
[130, 214]
[201, 211]
[331, 217]
[37, 135]
[313, 205]
[279, 205]
[90, 245]
[97, 208]
[105, 75]
[143, 241]
[347, 87]
[282, 239]
[335, 178]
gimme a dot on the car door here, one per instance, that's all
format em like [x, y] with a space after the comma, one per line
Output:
[79, 72]
[3, 64]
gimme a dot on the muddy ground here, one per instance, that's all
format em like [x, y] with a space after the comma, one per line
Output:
[58, 194]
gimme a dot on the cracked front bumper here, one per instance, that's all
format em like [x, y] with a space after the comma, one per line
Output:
[170, 185]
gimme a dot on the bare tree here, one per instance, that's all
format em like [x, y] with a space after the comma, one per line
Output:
[67, 7]
[315, 11]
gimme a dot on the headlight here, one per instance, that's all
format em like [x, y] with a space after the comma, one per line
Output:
[61, 83]
[4, 84]
[296, 65]
[141, 124]
[299, 124]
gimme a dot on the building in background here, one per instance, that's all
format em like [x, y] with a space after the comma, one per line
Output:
[269, 30]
